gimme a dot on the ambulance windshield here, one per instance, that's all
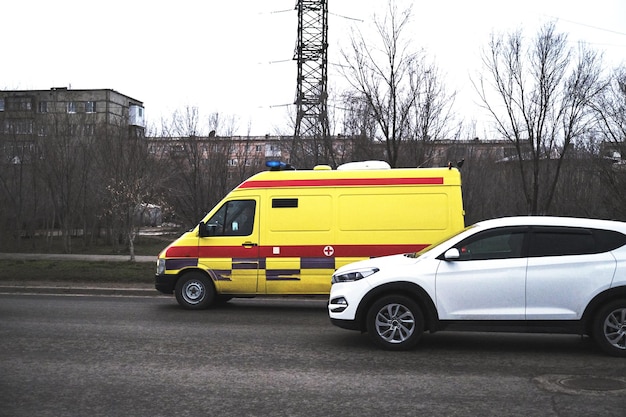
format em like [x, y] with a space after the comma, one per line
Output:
[434, 245]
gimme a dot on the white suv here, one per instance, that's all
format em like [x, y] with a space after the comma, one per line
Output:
[543, 274]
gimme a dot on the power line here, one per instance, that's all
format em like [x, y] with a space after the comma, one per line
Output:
[586, 25]
[346, 17]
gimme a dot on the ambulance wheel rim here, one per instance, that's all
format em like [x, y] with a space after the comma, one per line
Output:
[193, 291]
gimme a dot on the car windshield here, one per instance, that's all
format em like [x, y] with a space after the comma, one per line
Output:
[434, 245]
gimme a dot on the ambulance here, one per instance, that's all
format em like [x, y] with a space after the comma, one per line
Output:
[284, 231]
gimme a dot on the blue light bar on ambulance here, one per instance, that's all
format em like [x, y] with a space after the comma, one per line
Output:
[278, 166]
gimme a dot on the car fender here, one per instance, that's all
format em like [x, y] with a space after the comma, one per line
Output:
[406, 288]
[598, 301]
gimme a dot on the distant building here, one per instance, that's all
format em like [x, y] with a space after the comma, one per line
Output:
[238, 152]
[29, 115]
[445, 151]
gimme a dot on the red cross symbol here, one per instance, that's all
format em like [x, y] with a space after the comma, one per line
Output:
[329, 250]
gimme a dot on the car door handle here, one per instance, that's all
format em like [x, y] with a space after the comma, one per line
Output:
[249, 244]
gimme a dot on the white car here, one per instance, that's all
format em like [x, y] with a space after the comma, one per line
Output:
[520, 274]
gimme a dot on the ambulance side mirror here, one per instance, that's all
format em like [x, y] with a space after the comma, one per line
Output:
[206, 230]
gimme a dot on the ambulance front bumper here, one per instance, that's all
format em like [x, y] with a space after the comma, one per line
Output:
[165, 283]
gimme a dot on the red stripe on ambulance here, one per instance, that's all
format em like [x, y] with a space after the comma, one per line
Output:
[342, 182]
[312, 251]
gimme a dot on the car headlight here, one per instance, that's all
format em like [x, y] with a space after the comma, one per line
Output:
[160, 266]
[353, 275]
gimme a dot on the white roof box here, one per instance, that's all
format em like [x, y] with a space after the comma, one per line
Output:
[363, 165]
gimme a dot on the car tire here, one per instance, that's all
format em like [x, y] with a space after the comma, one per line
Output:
[609, 328]
[194, 291]
[395, 322]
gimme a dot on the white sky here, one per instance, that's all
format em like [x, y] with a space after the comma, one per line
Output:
[235, 57]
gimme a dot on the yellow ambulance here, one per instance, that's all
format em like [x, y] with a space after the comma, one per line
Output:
[285, 231]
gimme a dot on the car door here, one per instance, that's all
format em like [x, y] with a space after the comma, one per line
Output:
[231, 250]
[487, 281]
[566, 268]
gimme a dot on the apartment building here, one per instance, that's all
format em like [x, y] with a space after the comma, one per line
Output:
[238, 152]
[237, 149]
[27, 116]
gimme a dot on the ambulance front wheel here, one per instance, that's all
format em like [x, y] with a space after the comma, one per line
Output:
[194, 291]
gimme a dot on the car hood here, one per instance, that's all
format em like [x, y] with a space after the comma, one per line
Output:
[380, 262]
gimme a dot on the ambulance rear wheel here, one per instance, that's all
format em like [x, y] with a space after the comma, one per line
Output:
[194, 291]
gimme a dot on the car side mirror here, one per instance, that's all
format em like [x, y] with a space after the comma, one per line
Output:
[206, 230]
[202, 230]
[452, 254]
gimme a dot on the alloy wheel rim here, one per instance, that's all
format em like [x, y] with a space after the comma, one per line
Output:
[615, 328]
[395, 323]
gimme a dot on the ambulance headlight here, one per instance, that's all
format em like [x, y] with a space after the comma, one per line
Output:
[160, 266]
[353, 275]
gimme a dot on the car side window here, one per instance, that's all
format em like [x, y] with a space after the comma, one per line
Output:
[502, 243]
[560, 242]
[607, 240]
[563, 241]
[234, 218]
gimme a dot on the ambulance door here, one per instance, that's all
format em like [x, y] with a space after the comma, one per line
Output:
[229, 246]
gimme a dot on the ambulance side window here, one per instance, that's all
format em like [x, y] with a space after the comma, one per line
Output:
[234, 218]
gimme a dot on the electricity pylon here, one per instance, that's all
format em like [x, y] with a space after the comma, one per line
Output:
[311, 138]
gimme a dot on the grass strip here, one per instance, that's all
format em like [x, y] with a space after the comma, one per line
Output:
[75, 271]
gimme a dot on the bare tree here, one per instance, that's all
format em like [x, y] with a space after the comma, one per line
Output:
[432, 114]
[18, 185]
[610, 109]
[201, 175]
[401, 92]
[127, 181]
[539, 97]
[66, 167]
[247, 158]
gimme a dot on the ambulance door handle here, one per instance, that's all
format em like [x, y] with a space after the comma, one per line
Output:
[248, 244]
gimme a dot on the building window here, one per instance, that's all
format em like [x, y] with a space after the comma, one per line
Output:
[272, 151]
[43, 107]
[90, 129]
[136, 115]
[232, 162]
[71, 107]
[19, 104]
[90, 107]
[1, 104]
[18, 127]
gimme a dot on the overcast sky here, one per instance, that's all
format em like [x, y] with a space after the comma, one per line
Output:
[235, 57]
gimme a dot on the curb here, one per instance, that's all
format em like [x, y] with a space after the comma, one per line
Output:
[75, 257]
[71, 290]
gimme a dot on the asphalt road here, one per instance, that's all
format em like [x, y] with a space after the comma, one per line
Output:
[77, 355]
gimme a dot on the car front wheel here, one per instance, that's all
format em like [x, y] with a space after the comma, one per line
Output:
[194, 291]
[609, 329]
[395, 322]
